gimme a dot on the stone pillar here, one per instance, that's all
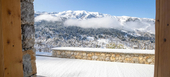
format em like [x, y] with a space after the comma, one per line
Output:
[28, 32]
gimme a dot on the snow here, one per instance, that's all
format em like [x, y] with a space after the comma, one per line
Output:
[90, 38]
[106, 41]
[96, 19]
[60, 67]
[44, 53]
[137, 51]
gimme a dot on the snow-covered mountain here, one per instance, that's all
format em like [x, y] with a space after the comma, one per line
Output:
[96, 19]
[92, 29]
[74, 14]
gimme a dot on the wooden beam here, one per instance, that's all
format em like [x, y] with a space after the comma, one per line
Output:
[1, 46]
[10, 39]
[157, 22]
[162, 65]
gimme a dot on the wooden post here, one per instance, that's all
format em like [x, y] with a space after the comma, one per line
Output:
[10, 39]
[162, 53]
[1, 46]
[157, 20]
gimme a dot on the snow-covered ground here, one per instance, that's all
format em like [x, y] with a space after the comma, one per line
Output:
[138, 51]
[59, 67]
[106, 50]
[44, 53]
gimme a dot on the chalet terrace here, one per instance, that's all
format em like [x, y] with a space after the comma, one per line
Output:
[17, 56]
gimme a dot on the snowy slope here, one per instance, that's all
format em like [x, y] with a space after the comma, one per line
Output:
[93, 30]
[75, 14]
[59, 67]
[96, 19]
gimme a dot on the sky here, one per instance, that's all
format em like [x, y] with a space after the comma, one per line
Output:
[133, 8]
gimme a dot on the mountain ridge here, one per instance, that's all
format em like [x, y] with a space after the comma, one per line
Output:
[87, 12]
[135, 23]
[92, 29]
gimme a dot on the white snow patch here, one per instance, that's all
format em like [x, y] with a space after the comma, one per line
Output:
[90, 38]
[44, 53]
[106, 41]
[106, 50]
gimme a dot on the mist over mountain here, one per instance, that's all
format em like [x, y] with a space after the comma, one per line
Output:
[92, 29]
[97, 20]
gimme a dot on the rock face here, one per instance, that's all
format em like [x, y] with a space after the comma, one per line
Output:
[27, 12]
[107, 56]
[28, 33]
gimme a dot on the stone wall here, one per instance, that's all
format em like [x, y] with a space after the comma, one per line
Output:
[27, 25]
[106, 56]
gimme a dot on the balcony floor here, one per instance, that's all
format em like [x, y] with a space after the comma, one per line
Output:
[61, 67]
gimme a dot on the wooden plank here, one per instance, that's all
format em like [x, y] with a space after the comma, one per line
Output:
[157, 24]
[162, 40]
[11, 35]
[165, 40]
[1, 46]
[162, 65]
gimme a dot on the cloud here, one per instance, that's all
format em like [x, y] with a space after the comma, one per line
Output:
[105, 22]
[46, 17]
[108, 22]
[142, 26]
